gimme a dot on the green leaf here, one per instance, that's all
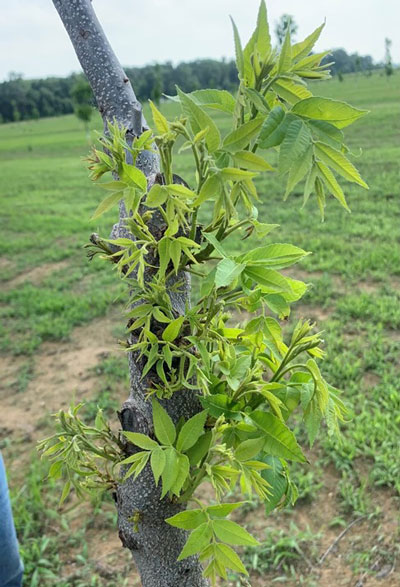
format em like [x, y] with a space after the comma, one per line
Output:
[161, 123]
[200, 449]
[258, 100]
[210, 189]
[339, 163]
[218, 404]
[299, 170]
[279, 440]
[173, 329]
[113, 186]
[271, 280]
[277, 481]
[216, 99]
[340, 114]
[278, 304]
[228, 557]
[181, 471]
[55, 469]
[299, 288]
[321, 387]
[65, 492]
[135, 176]
[261, 229]
[163, 254]
[238, 50]
[251, 161]
[296, 142]
[108, 203]
[140, 440]
[276, 256]
[263, 38]
[197, 541]
[156, 196]
[200, 120]
[223, 510]
[249, 448]
[231, 533]
[215, 243]
[188, 520]
[191, 431]
[163, 425]
[330, 181]
[233, 174]
[326, 132]
[285, 57]
[177, 189]
[291, 92]
[273, 129]
[157, 462]
[175, 252]
[312, 420]
[227, 272]
[241, 137]
[320, 193]
[170, 470]
[302, 49]
[310, 183]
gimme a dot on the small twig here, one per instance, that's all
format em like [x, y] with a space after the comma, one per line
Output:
[338, 539]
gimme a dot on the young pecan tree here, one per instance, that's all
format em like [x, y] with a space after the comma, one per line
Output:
[213, 392]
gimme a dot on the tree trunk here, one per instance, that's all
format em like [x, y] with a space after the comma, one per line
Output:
[154, 545]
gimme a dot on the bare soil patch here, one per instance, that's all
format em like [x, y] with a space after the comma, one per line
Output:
[36, 275]
[62, 372]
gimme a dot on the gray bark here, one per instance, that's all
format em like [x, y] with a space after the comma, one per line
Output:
[154, 545]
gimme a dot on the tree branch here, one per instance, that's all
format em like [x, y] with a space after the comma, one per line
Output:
[111, 87]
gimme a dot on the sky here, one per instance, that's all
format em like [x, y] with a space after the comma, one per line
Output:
[34, 43]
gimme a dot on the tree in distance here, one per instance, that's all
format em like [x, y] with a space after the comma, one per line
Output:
[82, 97]
[285, 22]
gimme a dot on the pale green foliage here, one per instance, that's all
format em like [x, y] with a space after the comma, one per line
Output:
[85, 456]
[250, 380]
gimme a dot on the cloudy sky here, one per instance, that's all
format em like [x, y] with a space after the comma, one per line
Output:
[34, 43]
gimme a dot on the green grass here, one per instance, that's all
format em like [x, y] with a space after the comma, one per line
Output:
[46, 204]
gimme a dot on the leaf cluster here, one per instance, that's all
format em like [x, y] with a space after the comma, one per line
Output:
[249, 378]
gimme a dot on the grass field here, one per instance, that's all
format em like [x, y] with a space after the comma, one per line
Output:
[61, 319]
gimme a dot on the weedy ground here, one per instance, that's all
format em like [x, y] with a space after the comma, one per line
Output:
[61, 318]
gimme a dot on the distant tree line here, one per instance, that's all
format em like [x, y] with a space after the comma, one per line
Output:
[22, 99]
[354, 63]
